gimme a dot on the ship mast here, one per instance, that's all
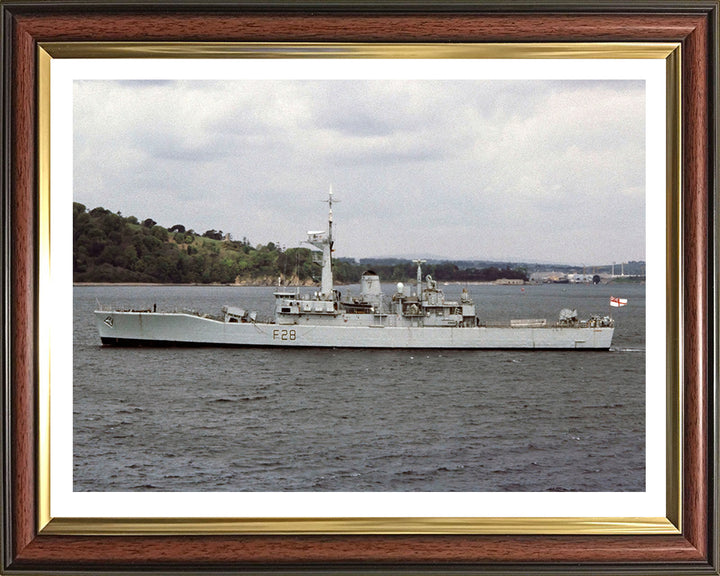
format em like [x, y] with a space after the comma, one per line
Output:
[324, 242]
[330, 218]
[419, 277]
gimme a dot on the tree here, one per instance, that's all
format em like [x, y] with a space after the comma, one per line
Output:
[149, 223]
[99, 211]
[160, 233]
[213, 234]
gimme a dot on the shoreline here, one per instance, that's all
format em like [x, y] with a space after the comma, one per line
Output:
[270, 285]
[244, 285]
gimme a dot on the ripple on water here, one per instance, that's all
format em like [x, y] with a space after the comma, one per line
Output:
[333, 420]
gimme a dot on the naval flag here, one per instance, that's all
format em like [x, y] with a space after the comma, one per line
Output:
[617, 302]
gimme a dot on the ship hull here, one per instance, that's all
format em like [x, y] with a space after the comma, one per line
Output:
[178, 329]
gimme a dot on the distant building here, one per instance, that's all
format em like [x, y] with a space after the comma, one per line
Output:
[549, 277]
[509, 281]
[580, 278]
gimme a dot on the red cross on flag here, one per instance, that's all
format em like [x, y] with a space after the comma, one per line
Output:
[617, 302]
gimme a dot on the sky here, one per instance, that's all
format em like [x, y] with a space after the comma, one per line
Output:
[518, 170]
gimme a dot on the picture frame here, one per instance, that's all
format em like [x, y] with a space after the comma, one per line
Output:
[686, 541]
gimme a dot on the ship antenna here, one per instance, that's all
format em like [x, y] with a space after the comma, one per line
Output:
[330, 216]
[330, 201]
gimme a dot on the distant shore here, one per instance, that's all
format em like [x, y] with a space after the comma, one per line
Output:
[257, 284]
[218, 284]
[261, 284]
[267, 285]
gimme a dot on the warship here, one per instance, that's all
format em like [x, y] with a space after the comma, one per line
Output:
[414, 316]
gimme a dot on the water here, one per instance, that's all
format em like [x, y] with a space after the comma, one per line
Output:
[239, 419]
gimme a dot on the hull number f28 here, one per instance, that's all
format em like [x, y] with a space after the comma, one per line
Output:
[278, 334]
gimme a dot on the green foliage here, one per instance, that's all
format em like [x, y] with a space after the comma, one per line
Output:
[108, 247]
[160, 233]
[213, 234]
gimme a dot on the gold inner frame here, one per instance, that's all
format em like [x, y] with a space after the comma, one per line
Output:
[670, 524]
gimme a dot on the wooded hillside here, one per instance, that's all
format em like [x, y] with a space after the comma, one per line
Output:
[109, 247]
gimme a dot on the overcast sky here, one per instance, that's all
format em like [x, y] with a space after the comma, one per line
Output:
[533, 170]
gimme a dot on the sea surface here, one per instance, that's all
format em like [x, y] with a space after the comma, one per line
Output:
[248, 419]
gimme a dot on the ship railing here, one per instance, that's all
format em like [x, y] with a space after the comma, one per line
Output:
[528, 322]
[106, 308]
[494, 324]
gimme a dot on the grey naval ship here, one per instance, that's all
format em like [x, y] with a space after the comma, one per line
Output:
[415, 316]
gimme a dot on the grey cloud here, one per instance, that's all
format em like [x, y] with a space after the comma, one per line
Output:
[467, 166]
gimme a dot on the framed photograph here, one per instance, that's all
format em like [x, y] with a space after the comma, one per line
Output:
[569, 149]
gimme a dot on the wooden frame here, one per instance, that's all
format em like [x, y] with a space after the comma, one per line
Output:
[693, 24]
